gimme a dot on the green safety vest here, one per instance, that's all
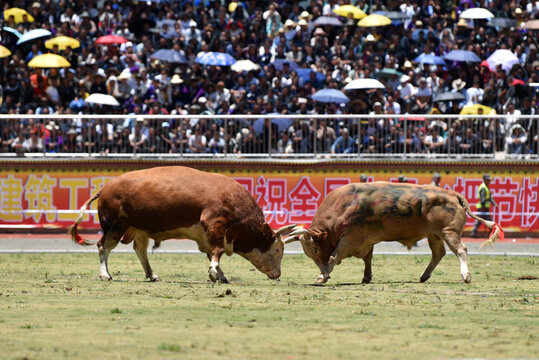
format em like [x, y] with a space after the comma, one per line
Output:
[487, 190]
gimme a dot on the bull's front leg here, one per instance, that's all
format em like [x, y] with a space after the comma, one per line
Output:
[341, 252]
[215, 273]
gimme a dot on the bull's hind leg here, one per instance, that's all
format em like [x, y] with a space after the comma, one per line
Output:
[438, 251]
[108, 241]
[140, 245]
[453, 240]
[215, 273]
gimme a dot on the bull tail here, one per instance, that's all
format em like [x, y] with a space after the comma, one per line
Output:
[497, 231]
[73, 228]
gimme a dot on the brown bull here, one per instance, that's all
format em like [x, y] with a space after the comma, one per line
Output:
[355, 217]
[182, 203]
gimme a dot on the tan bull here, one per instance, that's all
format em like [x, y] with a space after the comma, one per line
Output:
[178, 202]
[355, 217]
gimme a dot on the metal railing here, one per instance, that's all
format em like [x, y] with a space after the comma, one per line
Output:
[279, 136]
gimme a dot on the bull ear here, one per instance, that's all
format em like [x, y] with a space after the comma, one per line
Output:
[267, 231]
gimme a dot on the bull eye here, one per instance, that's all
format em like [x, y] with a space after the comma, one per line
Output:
[277, 251]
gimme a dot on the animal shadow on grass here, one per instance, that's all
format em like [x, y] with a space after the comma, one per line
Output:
[338, 284]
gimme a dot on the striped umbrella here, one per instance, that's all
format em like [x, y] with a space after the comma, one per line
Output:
[215, 58]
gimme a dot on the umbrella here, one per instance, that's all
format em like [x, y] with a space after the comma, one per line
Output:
[374, 20]
[502, 57]
[347, 10]
[4, 52]
[244, 65]
[397, 15]
[169, 55]
[387, 72]
[330, 96]
[531, 25]
[110, 39]
[429, 59]
[33, 35]
[305, 74]
[327, 20]
[502, 22]
[279, 63]
[282, 124]
[476, 13]
[415, 34]
[63, 42]
[215, 58]
[12, 31]
[49, 61]
[462, 56]
[102, 99]
[473, 110]
[18, 14]
[449, 96]
[365, 83]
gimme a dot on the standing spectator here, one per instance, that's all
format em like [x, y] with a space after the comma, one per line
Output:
[436, 179]
[483, 206]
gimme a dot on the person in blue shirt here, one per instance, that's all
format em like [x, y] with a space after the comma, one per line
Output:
[344, 144]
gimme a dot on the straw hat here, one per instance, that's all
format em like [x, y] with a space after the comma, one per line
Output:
[176, 79]
[458, 84]
[463, 23]
[370, 38]
[305, 15]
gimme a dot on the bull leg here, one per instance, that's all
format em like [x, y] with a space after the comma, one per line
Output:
[342, 251]
[215, 273]
[140, 245]
[453, 240]
[438, 251]
[108, 241]
[367, 275]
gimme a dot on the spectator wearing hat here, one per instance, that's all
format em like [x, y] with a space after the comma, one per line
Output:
[436, 179]
[402, 179]
[363, 178]
[423, 97]
[344, 144]
[483, 206]
[407, 92]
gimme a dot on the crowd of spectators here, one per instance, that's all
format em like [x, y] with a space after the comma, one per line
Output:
[268, 32]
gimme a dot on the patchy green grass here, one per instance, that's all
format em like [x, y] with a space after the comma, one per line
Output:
[52, 306]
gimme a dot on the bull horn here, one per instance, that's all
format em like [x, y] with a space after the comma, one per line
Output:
[299, 232]
[291, 239]
[284, 229]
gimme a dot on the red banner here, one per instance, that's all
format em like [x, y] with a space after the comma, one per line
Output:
[51, 198]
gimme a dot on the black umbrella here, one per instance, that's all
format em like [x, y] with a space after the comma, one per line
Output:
[449, 96]
[502, 22]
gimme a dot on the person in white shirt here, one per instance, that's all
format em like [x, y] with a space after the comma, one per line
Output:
[407, 92]
[474, 95]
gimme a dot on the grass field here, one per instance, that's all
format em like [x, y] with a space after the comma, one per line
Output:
[52, 306]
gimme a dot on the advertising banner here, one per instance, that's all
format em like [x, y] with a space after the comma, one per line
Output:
[50, 198]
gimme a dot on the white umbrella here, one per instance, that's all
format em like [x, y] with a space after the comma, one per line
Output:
[102, 99]
[476, 13]
[502, 57]
[244, 65]
[365, 83]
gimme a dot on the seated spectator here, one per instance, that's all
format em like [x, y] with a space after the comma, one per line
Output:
[197, 142]
[344, 144]
[516, 142]
[433, 142]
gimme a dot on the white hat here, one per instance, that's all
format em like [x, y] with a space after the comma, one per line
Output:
[193, 23]
[101, 72]
[303, 22]
[404, 78]
[202, 100]
[378, 103]
[176, 79]
[289, 22]
[302, 100]
[125, 75]
[370, 38]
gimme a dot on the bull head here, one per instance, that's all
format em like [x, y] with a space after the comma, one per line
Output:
[315, 245]
[269, 261]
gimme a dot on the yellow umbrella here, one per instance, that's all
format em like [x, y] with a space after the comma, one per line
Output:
[63, 42]
[374, 20]
[4, 52]
[474, 110]
[49, 61]
[347, 10]
[18, 15]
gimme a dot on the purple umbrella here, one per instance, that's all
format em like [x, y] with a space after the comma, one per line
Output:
[502, 57]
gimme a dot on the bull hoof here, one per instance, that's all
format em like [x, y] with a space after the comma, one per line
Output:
[468, 278]
[366, 280]
[424, 278]
[322, 279]
[223, 280]
[105, 277]
[212, 275]
[155, 278]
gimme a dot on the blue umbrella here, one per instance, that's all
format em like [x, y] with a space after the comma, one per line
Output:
[330, 96]
[12, 31]
[33, 35]
[462, 56]
[415, 34]
[282, 124]
[169, 55]
[429, 59]
[279, 63]
[215, 58]
[327, 20]
[305, 74]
